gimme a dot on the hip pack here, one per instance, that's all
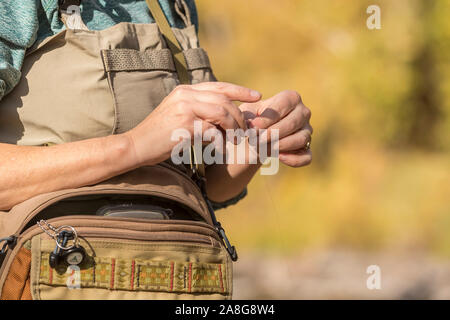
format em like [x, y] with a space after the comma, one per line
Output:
[63, 249]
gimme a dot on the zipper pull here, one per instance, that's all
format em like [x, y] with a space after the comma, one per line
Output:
[220, 230]
[231, 249]
[10, 242]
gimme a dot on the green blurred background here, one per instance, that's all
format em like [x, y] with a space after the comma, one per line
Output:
[379, 184]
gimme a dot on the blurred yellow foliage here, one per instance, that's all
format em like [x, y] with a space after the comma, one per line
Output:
[381, 113]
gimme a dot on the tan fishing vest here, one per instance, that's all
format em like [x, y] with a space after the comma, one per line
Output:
[81, 84]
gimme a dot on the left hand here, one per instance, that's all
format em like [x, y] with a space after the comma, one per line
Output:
[287, 113]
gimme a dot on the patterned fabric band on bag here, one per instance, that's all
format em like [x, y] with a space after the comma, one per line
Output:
[142, 275]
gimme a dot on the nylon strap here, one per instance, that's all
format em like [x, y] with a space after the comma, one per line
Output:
[116, 60]
[180, 65]
[172, 42]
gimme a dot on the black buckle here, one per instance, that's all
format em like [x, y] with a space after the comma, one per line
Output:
[64, 4]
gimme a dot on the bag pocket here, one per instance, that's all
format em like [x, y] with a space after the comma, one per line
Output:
[130, 259]
[186, 250]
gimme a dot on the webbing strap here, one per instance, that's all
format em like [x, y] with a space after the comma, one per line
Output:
[172, 42]
[116, 60]
[197, 58]
[183, 11]
[180, 65]
[142, 275]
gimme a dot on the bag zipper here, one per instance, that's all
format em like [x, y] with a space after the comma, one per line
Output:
[134, 226]
[201, 185]
[137, 237]
[104, 191]
[207, 237]
[220, 230]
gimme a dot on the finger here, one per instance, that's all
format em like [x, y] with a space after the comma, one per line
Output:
[251, 107]
[210, 132]
[295, 141]
[222, 100]
[249, 111]
[232, 91]
[296, 159]
[215, 114]
[292, 123]
[272, 110]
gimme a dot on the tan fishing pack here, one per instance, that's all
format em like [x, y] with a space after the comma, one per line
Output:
[150, 233]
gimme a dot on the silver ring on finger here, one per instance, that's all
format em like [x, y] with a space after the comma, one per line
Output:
[308, 145]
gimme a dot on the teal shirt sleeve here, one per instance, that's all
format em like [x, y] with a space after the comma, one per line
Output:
[18, 29]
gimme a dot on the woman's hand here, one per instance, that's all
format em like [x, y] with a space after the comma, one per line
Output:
[209, 102]
[285, 112]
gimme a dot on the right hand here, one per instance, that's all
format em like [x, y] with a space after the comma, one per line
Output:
[209, 102]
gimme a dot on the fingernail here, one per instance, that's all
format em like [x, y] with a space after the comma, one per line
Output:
[255, 94]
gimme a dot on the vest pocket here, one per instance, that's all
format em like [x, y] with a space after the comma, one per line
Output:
[140, 80]
[136, 82]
